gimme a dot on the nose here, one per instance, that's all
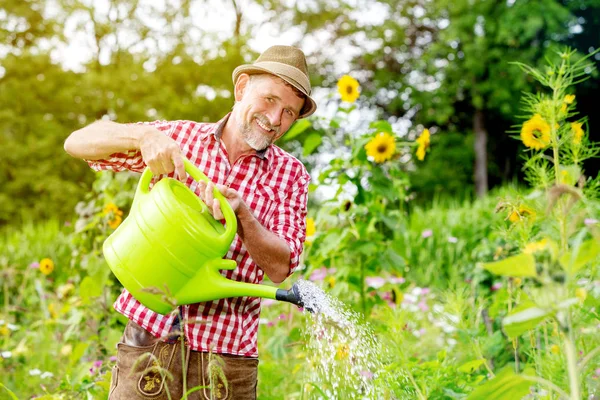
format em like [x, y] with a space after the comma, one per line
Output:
[275, 114]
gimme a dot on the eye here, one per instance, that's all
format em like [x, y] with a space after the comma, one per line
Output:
[269, 99]
[289, 112]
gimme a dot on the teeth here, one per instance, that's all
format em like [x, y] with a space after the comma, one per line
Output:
[262, 126]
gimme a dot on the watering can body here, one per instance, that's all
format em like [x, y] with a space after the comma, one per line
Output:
[169, 250]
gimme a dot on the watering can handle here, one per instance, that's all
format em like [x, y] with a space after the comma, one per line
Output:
[230, 218]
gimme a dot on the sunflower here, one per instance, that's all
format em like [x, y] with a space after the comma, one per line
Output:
[46, 266]
[535, 133]
[310, 227]
[521, 213]
[348, 88]
[581, 294]
[381, 147]
[115, 221]
[342, 352]
[424, 142]
[536, 247]
[569, 98]
[115, 215]
[111, 208]
[577, 132]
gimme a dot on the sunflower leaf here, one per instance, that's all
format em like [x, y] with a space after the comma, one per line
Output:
[519, 265]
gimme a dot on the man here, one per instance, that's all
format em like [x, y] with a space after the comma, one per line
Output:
[267, 189]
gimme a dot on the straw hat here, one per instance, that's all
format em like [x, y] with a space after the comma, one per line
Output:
[288, 63]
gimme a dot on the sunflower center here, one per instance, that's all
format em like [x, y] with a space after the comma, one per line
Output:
[537, 134]
[382, 148]
[349, 89]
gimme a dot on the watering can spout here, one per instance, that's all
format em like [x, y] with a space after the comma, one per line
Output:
[208, 284]
[291, 296]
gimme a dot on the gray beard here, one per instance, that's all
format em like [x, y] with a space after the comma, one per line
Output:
[255, 140]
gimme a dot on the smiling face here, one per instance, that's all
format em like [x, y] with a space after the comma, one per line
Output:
[266, 106]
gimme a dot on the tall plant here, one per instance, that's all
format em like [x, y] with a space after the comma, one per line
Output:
[558, 232]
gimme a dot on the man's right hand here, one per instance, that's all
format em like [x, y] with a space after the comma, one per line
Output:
[161, 153]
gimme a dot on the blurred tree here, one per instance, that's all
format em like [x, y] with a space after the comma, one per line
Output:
[146, 62]
[445, 63]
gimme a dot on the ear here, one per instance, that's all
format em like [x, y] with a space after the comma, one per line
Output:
[241, 85]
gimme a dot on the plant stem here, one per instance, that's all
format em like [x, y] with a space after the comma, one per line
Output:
[183, 360]
[362, 288]
[547, 383]
[572, 368]
[412, 380]
[587, 358]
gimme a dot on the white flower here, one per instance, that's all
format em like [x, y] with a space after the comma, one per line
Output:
[263, 321]
[47, 375]
[452, 239]
[6, 354]
[34, 372]
[12, 327]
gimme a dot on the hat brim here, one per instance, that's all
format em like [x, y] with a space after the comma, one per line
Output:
[310, 106]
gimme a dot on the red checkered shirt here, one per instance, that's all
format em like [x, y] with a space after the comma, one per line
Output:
[274, 185]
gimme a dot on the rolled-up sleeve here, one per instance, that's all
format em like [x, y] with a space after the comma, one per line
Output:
[289, 218]
[132, 159]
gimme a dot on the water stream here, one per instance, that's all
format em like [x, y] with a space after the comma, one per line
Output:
[342, 351]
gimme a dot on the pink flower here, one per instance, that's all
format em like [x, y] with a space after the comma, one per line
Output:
[385, 296]
[423, 306]
[112, 358]
[270, 324]
[282, 317]
[396, 280]
[496, 286]
[34, 265]
[590, 221]
[426, 233]
[425, 291]
[375, 281]
[321, 273]
[267, 302]
[366, 374]
[96, 367]
[318, 274]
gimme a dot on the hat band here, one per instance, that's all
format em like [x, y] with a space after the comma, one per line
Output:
[289, 71]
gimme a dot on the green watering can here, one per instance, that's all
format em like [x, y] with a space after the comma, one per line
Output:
[170, 247]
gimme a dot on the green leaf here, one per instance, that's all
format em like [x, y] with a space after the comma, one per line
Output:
[505, 385]
[89, 288]
[78, 352]
[299, 126]
[311, 143]
[12, 395]
[471, 366]
[381, 126]
[519, 265]
[523, 318]
[574, 260]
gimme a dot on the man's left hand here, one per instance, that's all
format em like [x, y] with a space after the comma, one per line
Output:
[207, 195]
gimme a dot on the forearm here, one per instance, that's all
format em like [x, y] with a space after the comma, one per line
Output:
[269, 251]
[103, 138]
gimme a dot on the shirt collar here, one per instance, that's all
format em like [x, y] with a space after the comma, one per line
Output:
[217, 132]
